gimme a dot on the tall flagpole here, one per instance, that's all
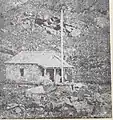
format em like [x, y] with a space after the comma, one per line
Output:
[62, 72]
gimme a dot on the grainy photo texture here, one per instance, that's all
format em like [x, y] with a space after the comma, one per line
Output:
[55, 59]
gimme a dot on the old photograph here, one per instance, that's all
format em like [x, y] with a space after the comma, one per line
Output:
[55, 59]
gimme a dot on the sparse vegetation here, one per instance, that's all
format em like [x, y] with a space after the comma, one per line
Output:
[88, 101]
[35, 25]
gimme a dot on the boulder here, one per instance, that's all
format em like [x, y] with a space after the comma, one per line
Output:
[18, 110]
[73, 99]
[12, 105]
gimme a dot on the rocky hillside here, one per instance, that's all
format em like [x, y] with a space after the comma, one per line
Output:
[35, 25]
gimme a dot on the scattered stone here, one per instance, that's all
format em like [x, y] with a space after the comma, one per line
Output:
[86, 95]
[12, 105]
[65, 108]
[73, 99]
[18, 110]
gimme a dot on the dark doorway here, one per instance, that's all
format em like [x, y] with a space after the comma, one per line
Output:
[22, 72]
[58, 71]
[42, 70]
[51, 73]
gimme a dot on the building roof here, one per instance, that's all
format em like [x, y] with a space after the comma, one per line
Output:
[43, 58]
[36, 90]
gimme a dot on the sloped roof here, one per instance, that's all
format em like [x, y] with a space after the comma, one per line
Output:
[42, 58]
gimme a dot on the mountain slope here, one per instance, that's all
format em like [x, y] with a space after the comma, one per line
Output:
[35, 25]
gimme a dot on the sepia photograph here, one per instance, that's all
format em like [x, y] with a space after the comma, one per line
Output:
[55, 59]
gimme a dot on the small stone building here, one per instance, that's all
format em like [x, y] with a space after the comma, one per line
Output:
[31, 65]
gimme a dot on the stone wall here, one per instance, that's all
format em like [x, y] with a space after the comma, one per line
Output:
[31, 72]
